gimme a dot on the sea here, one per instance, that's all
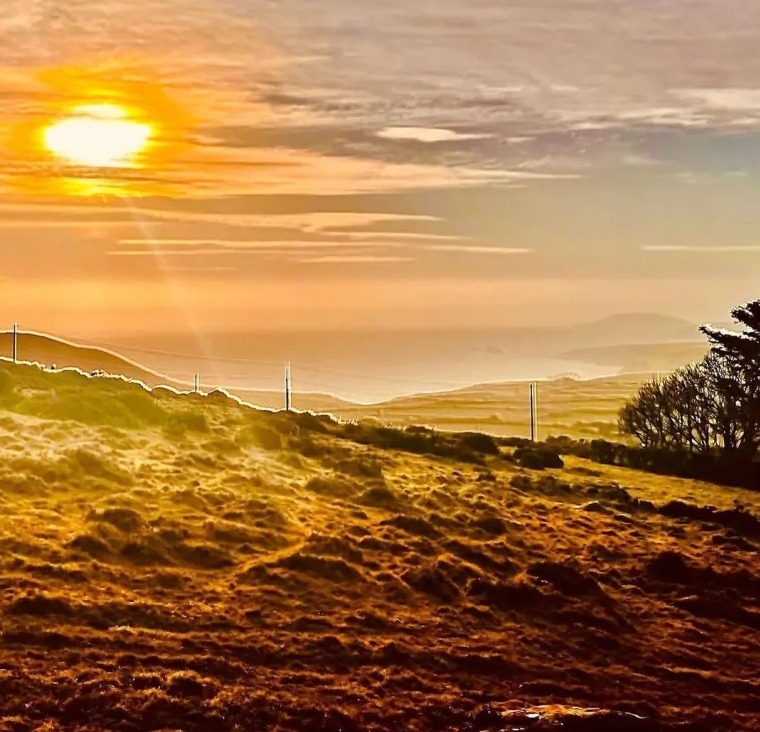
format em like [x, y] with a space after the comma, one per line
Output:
[359, 366]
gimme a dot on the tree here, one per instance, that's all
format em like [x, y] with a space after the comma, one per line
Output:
[740, 352]
[741, 346]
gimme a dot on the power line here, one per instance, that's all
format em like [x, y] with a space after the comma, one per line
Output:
[385, 378]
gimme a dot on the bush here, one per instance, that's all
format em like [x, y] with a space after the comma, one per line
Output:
[538, 457]
[515, 442]
[421, 440]
[266, 437]
[721, 468]
[479, 442]
[565, 445]
[179, 423]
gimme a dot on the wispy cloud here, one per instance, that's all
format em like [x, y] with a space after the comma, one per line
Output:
[467, 249]
[207, 247]
[191, 246]
[728, 99]
[428, 134]
[350, 259]
[687, 249]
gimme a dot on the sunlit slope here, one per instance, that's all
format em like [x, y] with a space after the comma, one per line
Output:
[47, 350]
[203, 566]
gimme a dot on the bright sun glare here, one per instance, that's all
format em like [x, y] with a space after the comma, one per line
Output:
[98, 136]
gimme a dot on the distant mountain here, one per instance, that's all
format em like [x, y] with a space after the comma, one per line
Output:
[636, 328]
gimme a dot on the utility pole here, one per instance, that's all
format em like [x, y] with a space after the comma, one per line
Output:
[197, 383]
[288, 387]
[533, 411]
[15, 343]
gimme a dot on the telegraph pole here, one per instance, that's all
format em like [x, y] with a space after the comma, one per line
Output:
[533, 411]
[197, 383]
[15, 343]
[288, 387]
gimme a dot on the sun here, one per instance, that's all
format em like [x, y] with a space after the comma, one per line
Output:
[98, 136]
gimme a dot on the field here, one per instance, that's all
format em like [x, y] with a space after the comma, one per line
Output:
[185, 563]
[578, 408]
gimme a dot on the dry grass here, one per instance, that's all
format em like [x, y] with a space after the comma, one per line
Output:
[239, 571]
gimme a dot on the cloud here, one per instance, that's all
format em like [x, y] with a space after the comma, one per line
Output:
[59, 225]
[190, 246]
[313, 222]
[466, 249]
[428, 134]
[350, 259]
[728, 99]
[717, 249]
[207, 247]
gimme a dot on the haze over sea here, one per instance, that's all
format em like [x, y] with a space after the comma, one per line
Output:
[358, 365]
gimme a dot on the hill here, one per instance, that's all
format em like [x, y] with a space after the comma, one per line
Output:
[634, 328]
[183, 562]
[48, 350]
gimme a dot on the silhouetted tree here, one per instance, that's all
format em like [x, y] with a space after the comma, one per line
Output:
[708, 407]
[740, 352]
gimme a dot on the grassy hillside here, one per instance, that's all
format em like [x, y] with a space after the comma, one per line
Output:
[47, 350]
[176, 562]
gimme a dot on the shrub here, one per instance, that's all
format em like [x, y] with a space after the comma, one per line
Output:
[515, 442]
[179, 423]
[266, 437]
[421, 440]
[538, 457]
[565, 445]
[479, 442]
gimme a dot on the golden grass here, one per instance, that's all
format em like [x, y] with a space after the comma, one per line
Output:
[252, 571]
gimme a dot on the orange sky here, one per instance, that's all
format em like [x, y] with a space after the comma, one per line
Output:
[376, 166]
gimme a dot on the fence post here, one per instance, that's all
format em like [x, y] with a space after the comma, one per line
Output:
[288, 388]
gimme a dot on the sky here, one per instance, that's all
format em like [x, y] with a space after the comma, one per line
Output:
[348, 164]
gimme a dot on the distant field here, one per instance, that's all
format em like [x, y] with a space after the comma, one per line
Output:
[180, 562]
[582, 409]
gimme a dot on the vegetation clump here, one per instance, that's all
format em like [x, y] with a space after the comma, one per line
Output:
[538, 457]
[701, 422]
[471, 447]
[179, 423]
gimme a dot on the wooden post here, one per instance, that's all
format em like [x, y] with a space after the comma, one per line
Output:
[288, 388]
[532, 391]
